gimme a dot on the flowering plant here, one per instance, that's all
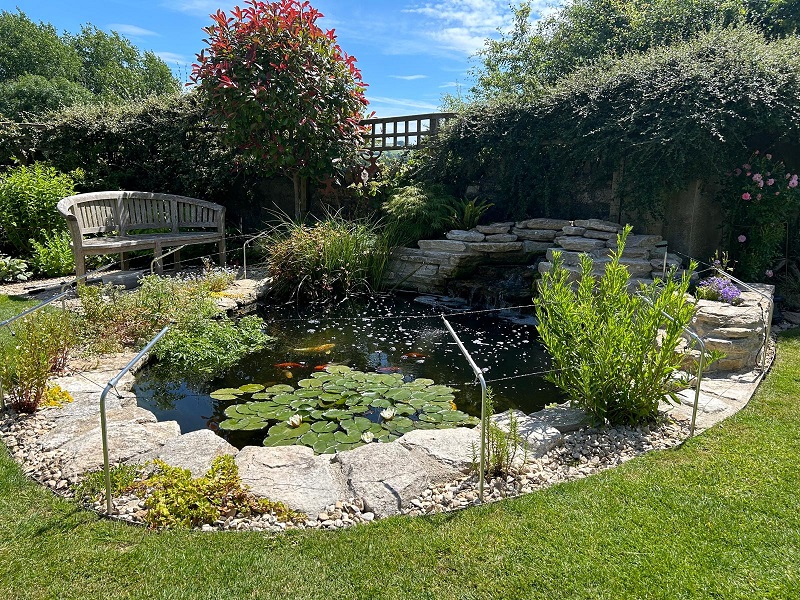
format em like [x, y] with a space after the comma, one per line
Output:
[720, 289]
[762, 196]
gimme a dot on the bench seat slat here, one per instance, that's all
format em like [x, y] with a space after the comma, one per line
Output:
[148, 240]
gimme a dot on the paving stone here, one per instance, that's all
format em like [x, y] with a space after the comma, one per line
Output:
[707, 403]
[292, 475]
[387, 476]
[538, 436]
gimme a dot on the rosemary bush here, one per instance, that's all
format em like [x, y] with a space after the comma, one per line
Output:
[613, 352]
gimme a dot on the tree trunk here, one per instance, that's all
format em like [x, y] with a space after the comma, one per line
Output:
[297, 206]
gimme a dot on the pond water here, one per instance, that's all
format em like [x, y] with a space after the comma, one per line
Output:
[392, 335]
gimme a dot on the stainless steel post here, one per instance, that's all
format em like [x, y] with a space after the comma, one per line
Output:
[244, 251]
[163, 256]
[484, 429]
[103, 428]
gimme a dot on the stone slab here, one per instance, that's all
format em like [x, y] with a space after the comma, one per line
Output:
[707, 403]
[579, 244]
[457, 447]
[442, 245]
[599, 225]
[570, 230]
[495, 228]
[495, 247]
[567, 257]
[501, 237]
[461, 235]
[539, 437]
[554, 224]
[292, 475]
[564, 418]
[387, 476]
[534, 235]
[729, 389]
[637, 241]
[532, 247]
[194, 451]
[599, 235]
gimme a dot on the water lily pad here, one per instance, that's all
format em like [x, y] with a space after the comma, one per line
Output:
[272, 441]
[336, 414]
[310, 383]
[281, 388]
[284, 399]
[251, 388]
[338, 369]
[431, 417]
[309, 438]
[261, 396]
[324, 426]
[285, 430]
[441, 390]
[227, 392]
[380, 403]
[398, 395]
[404, 409]
[224, 397]
[424, 381]
[347, 438]
[454, 416]
[308, 393]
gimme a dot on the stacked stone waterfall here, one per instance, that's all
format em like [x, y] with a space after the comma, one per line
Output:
[429, 268]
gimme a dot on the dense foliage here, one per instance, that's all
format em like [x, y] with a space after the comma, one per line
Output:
[333, 258]
[532, 56]
[609, 356]
[418, 212]
[659, 120]
[285, 91]
[28, 199]
[41, 70]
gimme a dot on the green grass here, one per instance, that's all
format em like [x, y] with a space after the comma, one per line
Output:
[716, 518]
[10, 306]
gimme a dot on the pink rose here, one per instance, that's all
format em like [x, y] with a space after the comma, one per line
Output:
[769, 156]
[758, 177]
[746, 196]
[746, 167]
[770, 181]
[768, 273]
[761, 184]
[742, 239]
[758, 196]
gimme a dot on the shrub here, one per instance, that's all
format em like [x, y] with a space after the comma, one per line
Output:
[40, 347]
[175, 499]
[13, 269]
[333, 258]
[501, 446]
[28, 198]
[466, 214]
[420, 211]
[93, 486]
[613, 353]
[54, 257]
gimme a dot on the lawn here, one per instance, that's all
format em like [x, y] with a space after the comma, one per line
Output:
[716, 518]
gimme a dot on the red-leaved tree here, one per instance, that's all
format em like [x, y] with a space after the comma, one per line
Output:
[284, 90]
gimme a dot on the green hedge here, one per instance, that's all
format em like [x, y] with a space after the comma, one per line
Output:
[660, 119]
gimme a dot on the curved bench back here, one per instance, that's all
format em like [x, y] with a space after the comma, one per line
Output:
[123, 211]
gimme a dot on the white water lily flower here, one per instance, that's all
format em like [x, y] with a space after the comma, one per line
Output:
[387, 414]
[367, 437]
[295, 420]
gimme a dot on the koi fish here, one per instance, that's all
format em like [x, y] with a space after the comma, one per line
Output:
[388, 370]
[323, 367]
[413, 355]
[289, 365]
[322, 348]
[288, 374]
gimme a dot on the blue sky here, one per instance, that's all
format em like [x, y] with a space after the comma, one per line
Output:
[411, 52]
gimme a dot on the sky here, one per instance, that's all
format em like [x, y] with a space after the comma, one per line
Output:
[410, 52]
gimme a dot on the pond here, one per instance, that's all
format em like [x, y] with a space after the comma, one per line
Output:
[391, 335]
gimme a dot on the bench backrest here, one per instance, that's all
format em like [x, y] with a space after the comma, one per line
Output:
[123, 211]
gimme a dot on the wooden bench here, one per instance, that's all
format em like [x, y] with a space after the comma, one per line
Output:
[116, 223]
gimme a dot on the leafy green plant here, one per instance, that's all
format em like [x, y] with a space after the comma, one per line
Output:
[93, 486]
[502, 447]
[340, 409]
[466, 214]
[40, 347]
[284, 89]
[53, 257]
[28, 198]
[613, 352]
[419, 211]
[13, 269]
[333, 258]
[174, 498]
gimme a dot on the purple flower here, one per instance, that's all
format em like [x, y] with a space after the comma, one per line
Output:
[742, 239]
[719, 288]
[761, 184]
[793, 183]
[746, 167]
[770, 181]
[758, 196]
[758, 177]
[746, 196]
[768, 273]
[769, 156]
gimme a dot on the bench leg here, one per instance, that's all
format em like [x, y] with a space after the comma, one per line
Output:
[159, 260]
[177, 260]
[222, 252]
[80, 267]
[123, 261]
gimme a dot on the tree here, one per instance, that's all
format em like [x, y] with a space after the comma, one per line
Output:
[532, 56]
[283, 89]
[41, 70]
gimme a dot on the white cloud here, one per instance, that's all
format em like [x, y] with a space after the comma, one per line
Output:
[172, 57]
[450, 84]
[390, 107]
[408, 77]
[131, 30]
[201, 8]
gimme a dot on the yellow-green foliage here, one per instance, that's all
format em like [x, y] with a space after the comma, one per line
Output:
[175, 499]
[55, 396]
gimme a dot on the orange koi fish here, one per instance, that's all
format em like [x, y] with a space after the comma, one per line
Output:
[316, 349]
[289, 365]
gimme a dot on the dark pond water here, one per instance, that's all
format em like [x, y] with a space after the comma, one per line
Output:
[388, 334]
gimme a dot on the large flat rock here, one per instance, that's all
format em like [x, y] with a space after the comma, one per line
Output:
[564, 418]
[292, 475]
[494, 228]
[442, 245]
[539, 437]
[461, 235]
[457, 447]
[706, 403]
[599, 225]
[578, 243]
[194, 451]
[495, 246]
[387, 476]
[554, 224]
[534, 235]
